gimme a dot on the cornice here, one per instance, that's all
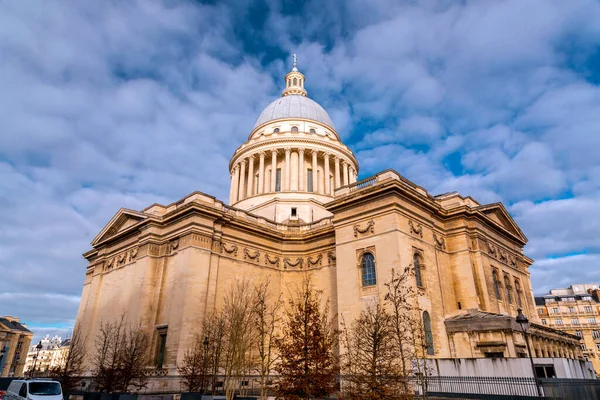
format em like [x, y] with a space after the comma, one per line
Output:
[312, 121]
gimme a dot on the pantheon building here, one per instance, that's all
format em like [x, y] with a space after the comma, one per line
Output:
[296, 209]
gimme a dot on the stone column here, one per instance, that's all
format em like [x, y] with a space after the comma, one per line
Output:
[352, 175]
[273, 169]
[301, 172]
[327, 185]
[337, 178]
[315, 182]
[286, 185]
[235, 184]
[242, 180]
[345, 167]
[231, 186]
[261, 172]
[250, 190]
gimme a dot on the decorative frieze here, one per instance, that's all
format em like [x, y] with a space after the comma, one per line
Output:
[298, 263]
[272, 261]
[121, 259]
[369, 227]
[416, 228]
[316, 261]
[173, 245]
[331, 257]
[233, 249]
[255, 256]
[440, 242]
[502, 255]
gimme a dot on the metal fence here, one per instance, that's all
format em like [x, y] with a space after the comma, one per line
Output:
[475, 387]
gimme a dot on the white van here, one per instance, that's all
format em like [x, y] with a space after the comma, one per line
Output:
[34, 389]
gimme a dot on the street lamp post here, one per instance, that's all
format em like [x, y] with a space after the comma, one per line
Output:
[205, 344]
[35, 358]
[522, 320]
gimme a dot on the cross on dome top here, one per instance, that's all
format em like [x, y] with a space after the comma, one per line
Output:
[294, 81]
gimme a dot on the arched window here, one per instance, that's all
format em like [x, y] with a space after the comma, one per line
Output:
[418, 272]
[276, 130]
[312, 130]
[428, 334]
[367, 266]
[294, 129]
[289, 82]
[295, 81]
[507, 287]
[496, 285]
[518, 290]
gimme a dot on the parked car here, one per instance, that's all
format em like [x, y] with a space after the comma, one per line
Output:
[34, 389]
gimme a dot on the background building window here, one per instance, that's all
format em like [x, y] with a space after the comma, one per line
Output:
[591, 320]
[278, 180]
[544, 322]
[418, 272]
[309, 182]
[558, 322]
[578, 334]
[572, 310]
[555, 310]
[587, 309]
[507, 287]
[496, 285]
[428, 334]
[368, 270]
[596, 335]
[575, 321]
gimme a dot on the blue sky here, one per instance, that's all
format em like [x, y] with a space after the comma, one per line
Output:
[109, 104]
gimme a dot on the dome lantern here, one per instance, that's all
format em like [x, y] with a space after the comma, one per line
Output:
[294, 81]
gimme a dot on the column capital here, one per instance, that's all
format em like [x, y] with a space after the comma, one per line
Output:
[337, 158]
[343, 162]
[274, 151]
[326, 154]
[262, 154]
[288, 150]
[301, 150]
[236, 167]
[243, 162]
[314, 152]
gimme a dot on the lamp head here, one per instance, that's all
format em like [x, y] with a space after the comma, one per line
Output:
[521, 319]
[39, 345]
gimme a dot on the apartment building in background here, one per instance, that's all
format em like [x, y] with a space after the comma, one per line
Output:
[14, 343]
[575, 310]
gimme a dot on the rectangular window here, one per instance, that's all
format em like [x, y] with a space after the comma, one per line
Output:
[161, 347]
[309, 182]
[541, 311]
[597, 346]
[544, 322]
[591, 320]
[555, 310]
[558, 322]
[278, 180]
[294, 212]
[572, 310]
[587, 309]
[575, 321]
[596, 335]
[578, 334]
[582, 346]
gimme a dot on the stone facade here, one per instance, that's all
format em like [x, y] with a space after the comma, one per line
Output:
[296, 211]
[14, 342]
[575, 310]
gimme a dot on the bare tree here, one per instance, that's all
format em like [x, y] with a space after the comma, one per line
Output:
[240, 335]
[213, 328]
[193, 369]
[371, 363]
[266, 319]
[121, 356]
[401, 297]
[69, 366]
[308, 366]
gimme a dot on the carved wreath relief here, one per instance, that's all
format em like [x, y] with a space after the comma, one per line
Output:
[252, 256]
[439, 242]
[417, 228]
[370, 227]
[298, 263]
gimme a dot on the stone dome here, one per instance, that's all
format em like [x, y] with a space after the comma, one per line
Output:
[294, 106]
